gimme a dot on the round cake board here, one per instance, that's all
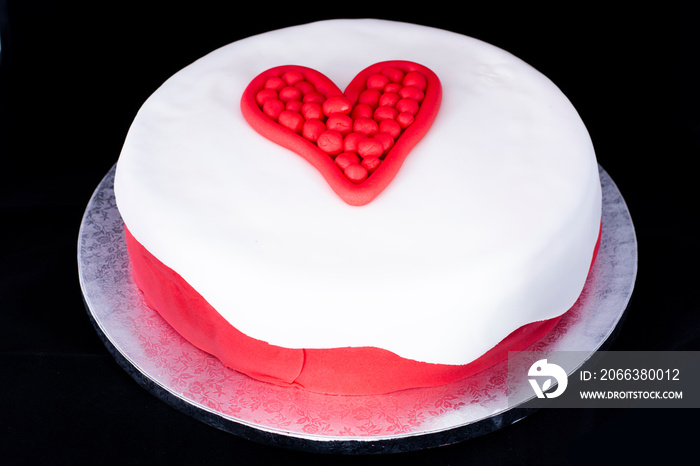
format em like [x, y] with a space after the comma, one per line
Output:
[197, 384]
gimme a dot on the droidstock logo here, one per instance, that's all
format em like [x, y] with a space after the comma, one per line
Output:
[542, 369]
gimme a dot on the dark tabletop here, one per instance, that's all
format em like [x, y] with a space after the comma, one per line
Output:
[74, 73]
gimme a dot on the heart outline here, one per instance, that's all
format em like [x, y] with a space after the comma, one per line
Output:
[366, 191]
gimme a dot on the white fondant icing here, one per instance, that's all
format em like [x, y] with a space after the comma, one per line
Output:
[489, 225]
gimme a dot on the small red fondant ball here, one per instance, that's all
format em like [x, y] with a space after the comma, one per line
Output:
[264, 95]
[330, 142]
[377, 81]
[415, 79]
[412, 93]
[395, 75]
[337, 104]
[291, 120]
[275, 84]
[405, 120]
[365, 126]
[314, 97]
[305, 87]
[351, 141]
[385, 140]
[346, 159]
[272, 108]
[312, 110]
[385, 113]
[292, 77]
[312, 129]
[371, 164]
[340, 123]
[370, 147]
[390, 127]
[370, 97]
[393, 88]
[362, 111]
[356, 173]
[289, 93]
[388, 99]
[294, 106]
[407, 106]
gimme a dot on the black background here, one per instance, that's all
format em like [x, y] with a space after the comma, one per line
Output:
[74, 73]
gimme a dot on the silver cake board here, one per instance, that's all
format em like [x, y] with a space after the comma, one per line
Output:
[197, 384]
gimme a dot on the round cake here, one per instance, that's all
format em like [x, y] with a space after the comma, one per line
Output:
[471, 233]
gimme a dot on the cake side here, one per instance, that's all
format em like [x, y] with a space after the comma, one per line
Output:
[343, 371]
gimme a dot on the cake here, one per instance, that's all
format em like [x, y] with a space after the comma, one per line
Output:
[470, 235]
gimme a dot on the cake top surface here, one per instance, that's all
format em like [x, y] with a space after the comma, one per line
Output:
[489, 224]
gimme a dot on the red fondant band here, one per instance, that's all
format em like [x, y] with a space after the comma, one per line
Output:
[350, 371]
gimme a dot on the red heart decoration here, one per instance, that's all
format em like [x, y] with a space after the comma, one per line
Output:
[359, 139]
